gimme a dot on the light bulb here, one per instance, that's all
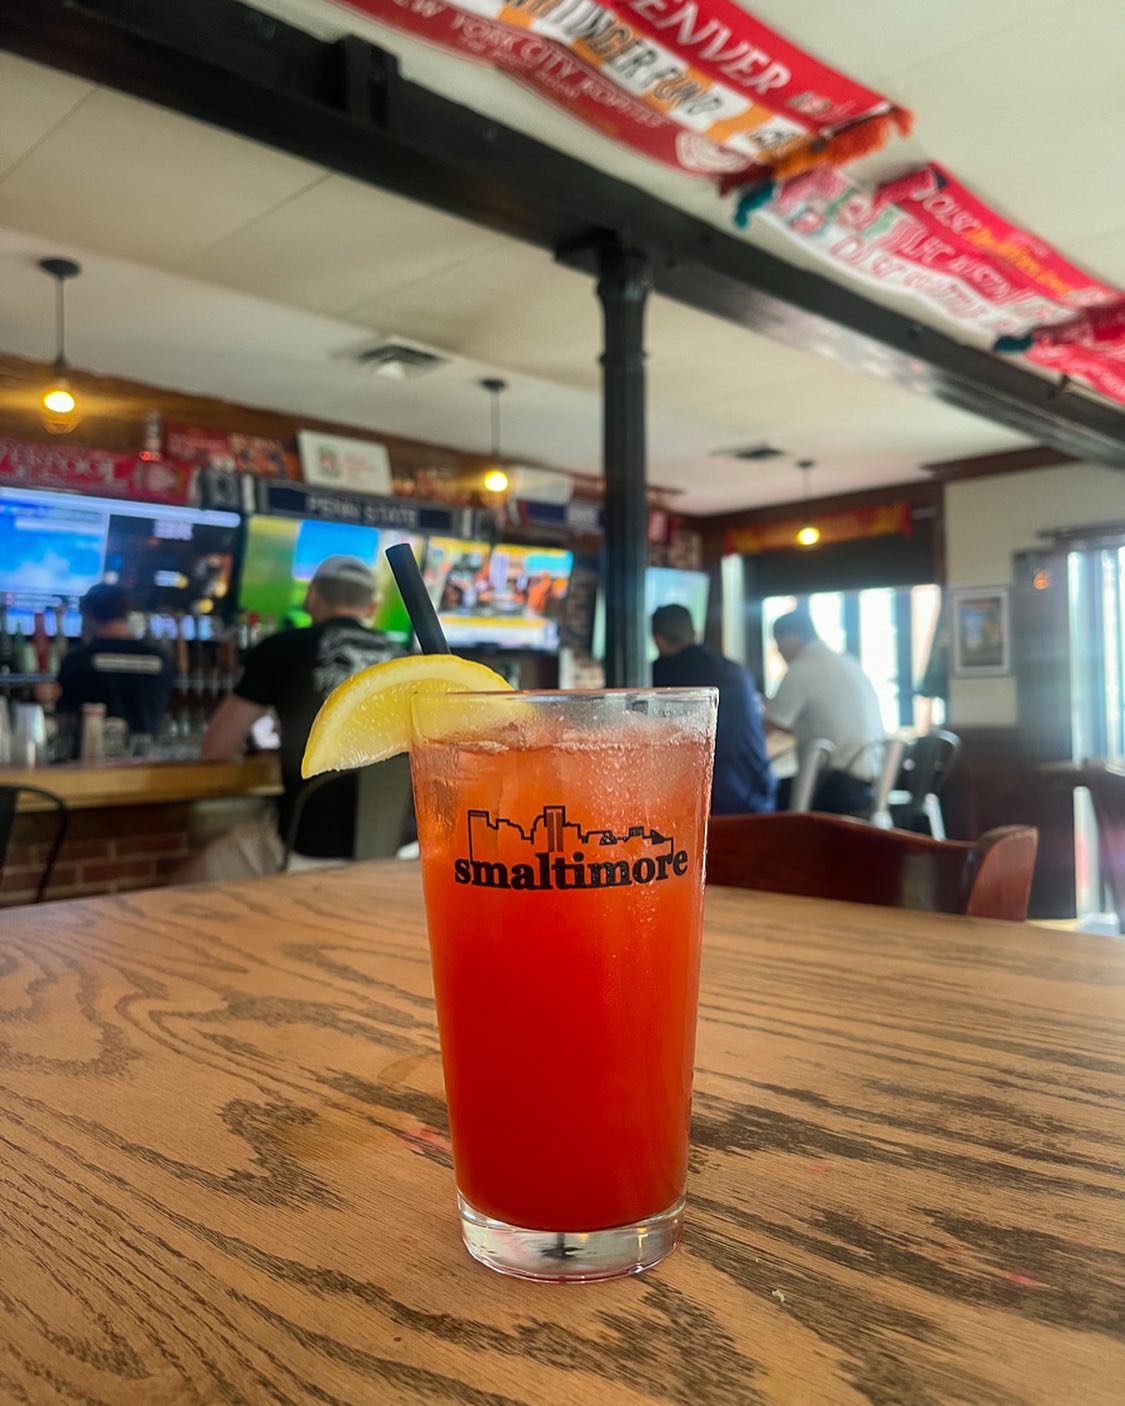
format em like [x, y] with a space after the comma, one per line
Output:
[496, 481]
[808, 536]
[59, 400]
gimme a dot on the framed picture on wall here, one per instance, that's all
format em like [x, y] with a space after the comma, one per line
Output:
[982, 639]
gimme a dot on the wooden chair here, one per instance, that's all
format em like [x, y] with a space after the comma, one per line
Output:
[1106, 784]
[828, 856]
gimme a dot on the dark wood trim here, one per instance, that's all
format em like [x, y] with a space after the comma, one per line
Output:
[1085, 535]
[919, 494]
[1011, 461]
[347, 107]
[925, 498]
[115, 408]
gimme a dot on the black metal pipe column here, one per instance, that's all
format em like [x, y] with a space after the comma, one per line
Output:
[624, 283]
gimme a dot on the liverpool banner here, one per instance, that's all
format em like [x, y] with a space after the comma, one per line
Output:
[76, 469]
[707, 89]
[700, 86]
[925, 235]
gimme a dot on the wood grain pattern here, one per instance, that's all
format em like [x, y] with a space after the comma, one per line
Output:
[225, 1176]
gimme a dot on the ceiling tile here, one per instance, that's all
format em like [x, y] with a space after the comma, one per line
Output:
[542, 423]
[1103, 255]
[337, 245]
[216, 341]
[1030, 130]
[784, 413]
[33, 99]
[911, 428]
[886, 36]
[139, 182]
[698, 361]
[959, 70]
[513, 306]
[695, 357]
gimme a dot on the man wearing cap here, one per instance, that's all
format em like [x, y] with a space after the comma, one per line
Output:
[292, 673]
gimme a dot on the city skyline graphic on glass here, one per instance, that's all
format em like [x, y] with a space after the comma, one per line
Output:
[555, 853]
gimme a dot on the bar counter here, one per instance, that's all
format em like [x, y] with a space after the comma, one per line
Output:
[137, 783]
[131, 823]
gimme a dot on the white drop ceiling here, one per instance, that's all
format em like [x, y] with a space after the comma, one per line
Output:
[1024, 100]
[224, 267]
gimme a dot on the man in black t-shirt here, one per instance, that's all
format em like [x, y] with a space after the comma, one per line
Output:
[293, 673]
[743, 780]
[133, 679]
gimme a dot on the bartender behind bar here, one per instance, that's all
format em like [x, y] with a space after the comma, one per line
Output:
[133, 679]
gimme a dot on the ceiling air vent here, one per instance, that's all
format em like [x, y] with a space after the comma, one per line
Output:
[753, 452]
[398, 361]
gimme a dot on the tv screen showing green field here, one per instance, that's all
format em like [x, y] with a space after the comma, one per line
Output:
[282, 554]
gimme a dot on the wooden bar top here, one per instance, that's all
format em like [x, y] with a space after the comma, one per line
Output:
[138, 783]
[226, 1176]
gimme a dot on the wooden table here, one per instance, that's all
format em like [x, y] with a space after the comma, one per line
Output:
[225, 1176]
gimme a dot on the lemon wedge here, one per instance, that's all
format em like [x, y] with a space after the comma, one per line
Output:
[367, 718]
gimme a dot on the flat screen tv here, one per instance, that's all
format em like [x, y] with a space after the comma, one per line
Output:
[55, 546]
[505, 597]
[282, 553]
[664, 585]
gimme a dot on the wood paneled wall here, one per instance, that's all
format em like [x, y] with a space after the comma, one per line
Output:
[114, 410]
[918, 494]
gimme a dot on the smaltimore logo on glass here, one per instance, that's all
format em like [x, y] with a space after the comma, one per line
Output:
[556, 853]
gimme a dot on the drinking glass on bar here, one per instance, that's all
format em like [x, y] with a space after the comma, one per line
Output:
[562, 840]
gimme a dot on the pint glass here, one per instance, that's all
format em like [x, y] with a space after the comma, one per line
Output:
[562, 840]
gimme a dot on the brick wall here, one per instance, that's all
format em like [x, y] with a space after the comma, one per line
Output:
[115, 849]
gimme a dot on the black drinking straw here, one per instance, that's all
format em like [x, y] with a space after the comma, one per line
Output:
[431, 637]
[417, 600]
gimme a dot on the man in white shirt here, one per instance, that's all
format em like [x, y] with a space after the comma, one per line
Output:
[825, 694]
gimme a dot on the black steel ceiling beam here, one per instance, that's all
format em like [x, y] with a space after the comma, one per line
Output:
[345, 106]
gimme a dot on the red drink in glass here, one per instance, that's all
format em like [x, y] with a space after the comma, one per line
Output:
[562, 841]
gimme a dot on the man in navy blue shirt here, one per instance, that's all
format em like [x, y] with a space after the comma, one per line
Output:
[744, 780]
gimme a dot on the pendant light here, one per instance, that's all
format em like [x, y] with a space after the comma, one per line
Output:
[809, 534]
[495, 480]
[60, 407]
